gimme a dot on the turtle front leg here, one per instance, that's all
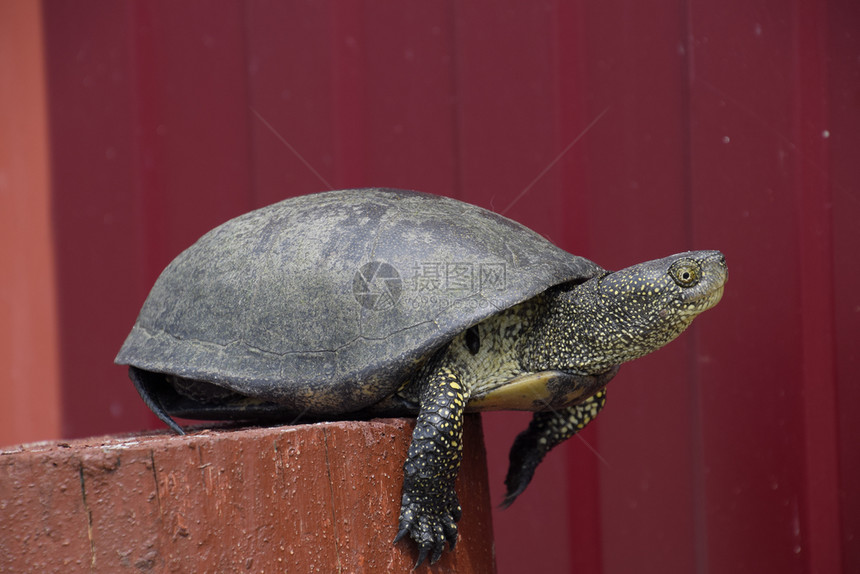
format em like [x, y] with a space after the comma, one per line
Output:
[429, 508]
[546, 430]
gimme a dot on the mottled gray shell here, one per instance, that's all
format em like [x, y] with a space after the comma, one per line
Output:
[327, 302]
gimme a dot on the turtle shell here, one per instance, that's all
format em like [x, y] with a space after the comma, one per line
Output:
[325, 303]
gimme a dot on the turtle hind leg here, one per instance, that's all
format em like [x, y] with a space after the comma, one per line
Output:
[546, 430]
[145, 387]
[429, 509]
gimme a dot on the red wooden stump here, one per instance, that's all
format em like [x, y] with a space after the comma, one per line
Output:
[310, 498]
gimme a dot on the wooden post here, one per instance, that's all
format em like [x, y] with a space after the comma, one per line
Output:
[310, 498]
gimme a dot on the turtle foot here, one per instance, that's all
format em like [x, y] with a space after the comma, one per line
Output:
[430, 522]
[525, 456]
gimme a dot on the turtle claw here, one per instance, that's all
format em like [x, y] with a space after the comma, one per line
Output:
[430, 530]
[422, 554]
[423, 550]
[525, 456]
[516, 485]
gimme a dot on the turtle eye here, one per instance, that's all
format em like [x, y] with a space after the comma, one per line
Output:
[685, 272]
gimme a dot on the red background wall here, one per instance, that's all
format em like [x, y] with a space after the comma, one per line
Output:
[621, 130]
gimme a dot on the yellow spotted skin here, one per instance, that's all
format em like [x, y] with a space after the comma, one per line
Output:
[429, 505]
[546, 430]
[621, 316]
[552, 354]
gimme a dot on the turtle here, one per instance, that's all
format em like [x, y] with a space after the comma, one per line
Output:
[383, 302]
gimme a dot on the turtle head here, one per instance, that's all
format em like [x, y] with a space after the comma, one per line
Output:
[649, 304]
[619, 316]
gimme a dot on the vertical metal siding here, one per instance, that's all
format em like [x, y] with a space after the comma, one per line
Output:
[29, 362]
[621, 131]
[842, 46]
